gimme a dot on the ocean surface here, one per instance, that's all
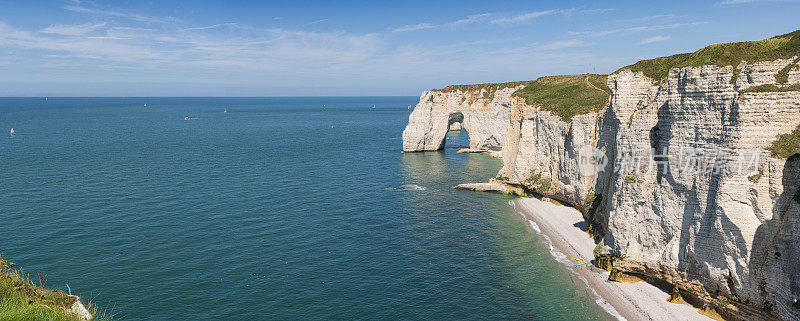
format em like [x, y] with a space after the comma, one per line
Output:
[279, 208]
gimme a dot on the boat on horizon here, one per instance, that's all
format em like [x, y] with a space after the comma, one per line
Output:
[12, 131]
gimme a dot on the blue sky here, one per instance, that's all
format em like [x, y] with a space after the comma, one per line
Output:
[300, 48]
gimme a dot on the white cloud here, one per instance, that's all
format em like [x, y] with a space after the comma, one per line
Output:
[735, 2]
[598, 33]
[77, 7]
[419, 26]
[654, 39]
[524, 17]
[73, 30]
[562, 44]
[227, 24]
[472, 19]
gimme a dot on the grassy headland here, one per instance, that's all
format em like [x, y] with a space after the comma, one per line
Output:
[723, 54]
[568, 95]
[21, 299]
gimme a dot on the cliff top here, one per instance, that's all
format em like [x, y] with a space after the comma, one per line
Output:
[567, 95]
[723, 54]
[491, 87]
[22, 299]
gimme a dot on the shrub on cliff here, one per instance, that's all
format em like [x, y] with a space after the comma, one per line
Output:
[786, 145]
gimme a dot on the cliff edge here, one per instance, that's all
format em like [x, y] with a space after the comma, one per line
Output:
[687, 167]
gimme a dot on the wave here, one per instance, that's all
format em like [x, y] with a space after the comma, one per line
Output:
[406, 187]
[562, 258]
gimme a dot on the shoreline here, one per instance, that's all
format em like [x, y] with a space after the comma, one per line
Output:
[562, 228]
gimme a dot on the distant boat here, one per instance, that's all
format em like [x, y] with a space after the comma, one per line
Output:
[186, 118]
[225, 111]
[13, 132]
[145, 105]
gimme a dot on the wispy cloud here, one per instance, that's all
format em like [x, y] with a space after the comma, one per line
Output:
[728, 2]
[735, 2]
[471, 19]
[598, 33]
[73, 30]
[654, 39]
[419, 26]
[600, 10]
[227, 24]
[317, 21]
[653, 17]
[80, 7]
[524, 17]
[498, 18]
[562, 44]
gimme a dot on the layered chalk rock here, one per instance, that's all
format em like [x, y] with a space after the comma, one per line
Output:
[725, 223]
[481, 112]
[691, 195]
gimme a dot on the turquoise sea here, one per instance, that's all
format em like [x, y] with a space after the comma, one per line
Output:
[279, 208]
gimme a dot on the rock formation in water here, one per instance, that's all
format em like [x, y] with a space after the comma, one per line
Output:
[700, 189]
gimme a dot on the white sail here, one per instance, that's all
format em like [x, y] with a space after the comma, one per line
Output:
[12, 132]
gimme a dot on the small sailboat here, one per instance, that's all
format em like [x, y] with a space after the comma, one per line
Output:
[145, 105]
[12, 131]
[225, 111]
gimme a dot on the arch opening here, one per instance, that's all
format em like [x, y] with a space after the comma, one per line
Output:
[457, 136]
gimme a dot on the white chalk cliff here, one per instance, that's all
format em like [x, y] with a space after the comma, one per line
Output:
[729, 237]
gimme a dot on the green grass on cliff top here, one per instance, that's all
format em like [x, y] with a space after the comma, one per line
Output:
[724, 54]
[569, 95]
[21, 299]
[492, 87]
[786, 145]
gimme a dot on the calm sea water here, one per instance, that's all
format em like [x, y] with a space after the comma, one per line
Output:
[281, 208]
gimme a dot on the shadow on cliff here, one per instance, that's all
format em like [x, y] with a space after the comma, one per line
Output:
[775, 260]
[597, 212]
[715, 233]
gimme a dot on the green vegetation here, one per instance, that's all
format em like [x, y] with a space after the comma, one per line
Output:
[478, 87]
[771, 88]
[782, 76]
[502, 178]
[786, 145]
[21, 299]
[540, 184]
[567, 96]
[724, 54]
[736, 72]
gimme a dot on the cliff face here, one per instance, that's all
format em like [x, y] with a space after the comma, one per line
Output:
[691, 193]
[482, 112]
[728, 223]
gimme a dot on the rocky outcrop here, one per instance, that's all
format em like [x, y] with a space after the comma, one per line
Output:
[78, 308]
[482, 112]
[492, 186]
[690, 195]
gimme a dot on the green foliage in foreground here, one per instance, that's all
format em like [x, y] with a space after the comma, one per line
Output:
[567, 96]
[724, 54]
[786, 145]
[20, 299]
